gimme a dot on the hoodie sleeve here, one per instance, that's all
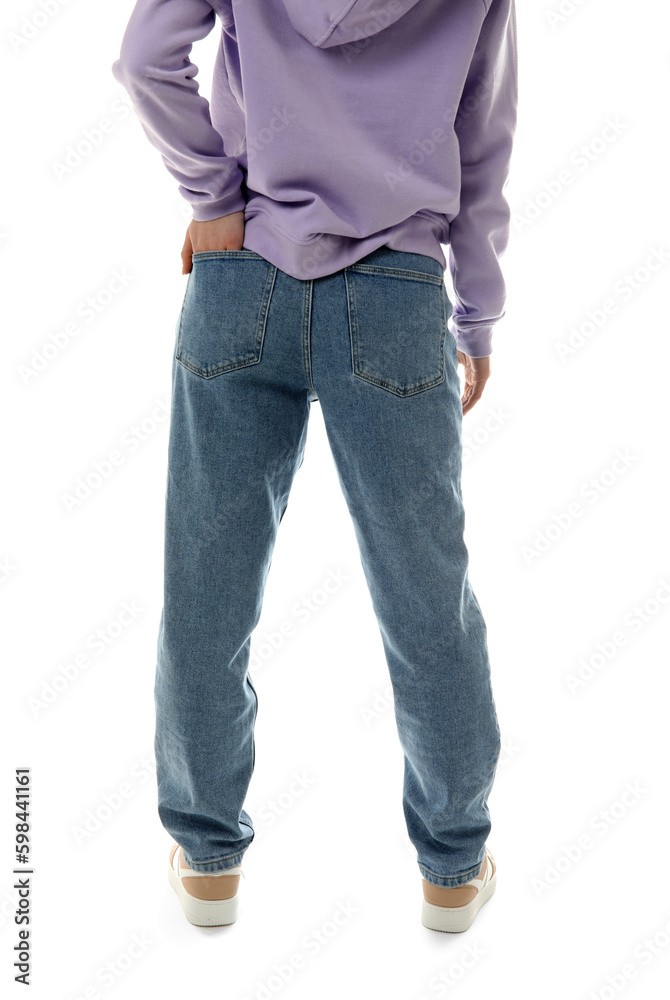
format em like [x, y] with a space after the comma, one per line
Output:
[479, 234]
[155, 69]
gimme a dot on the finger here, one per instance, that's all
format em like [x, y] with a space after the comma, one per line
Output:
[186, 252]
[475, 396]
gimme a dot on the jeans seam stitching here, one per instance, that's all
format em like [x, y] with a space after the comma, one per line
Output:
[307, 302]
[407, 273]
[214, 861]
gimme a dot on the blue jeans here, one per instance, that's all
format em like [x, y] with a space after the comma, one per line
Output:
[254, 348]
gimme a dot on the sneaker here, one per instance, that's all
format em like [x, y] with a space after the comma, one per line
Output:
[208, 899]
[453, 908]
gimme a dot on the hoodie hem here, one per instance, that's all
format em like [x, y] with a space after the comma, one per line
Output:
[326, 253]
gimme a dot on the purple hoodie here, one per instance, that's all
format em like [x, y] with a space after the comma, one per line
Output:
[339, 126]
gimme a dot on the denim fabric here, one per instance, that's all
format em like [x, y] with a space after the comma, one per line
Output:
[254, 348]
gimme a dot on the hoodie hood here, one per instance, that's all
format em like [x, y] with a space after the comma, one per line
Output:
[325, 23]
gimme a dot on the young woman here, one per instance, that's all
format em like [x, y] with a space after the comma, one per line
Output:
[343, 145]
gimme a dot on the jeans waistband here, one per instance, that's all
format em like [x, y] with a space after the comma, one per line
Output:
[388, 257]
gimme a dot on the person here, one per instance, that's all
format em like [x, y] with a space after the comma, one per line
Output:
[342, 147]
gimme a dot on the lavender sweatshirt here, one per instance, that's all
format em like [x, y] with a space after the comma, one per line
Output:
[339, 126]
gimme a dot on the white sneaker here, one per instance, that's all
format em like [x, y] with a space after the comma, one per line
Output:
[208, 899]
[453, 908]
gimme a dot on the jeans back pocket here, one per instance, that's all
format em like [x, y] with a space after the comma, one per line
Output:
[398, 326]
[224, 313]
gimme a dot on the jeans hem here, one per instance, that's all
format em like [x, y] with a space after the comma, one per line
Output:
[219, 865]
[451, 881]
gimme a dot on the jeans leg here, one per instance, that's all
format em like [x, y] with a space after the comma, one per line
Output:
[236, 441]
[378, 336]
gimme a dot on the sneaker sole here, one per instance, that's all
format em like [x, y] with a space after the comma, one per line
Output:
[454, 919]
[203, 912]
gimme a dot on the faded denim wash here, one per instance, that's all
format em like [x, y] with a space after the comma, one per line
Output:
[254, 348]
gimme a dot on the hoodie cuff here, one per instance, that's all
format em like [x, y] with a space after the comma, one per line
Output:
[476, 343]
[205, 211]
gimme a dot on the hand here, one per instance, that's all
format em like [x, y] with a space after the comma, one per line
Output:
[477, 371]
[224, 233]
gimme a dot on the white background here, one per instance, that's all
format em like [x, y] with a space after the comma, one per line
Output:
[559, 924]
